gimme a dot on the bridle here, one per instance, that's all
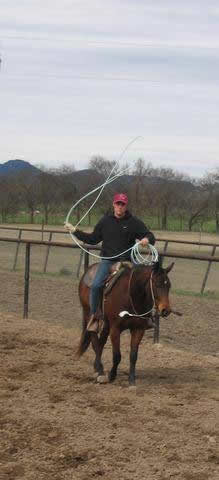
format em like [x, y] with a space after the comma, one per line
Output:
[153, 310]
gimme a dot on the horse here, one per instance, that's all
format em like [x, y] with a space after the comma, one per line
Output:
[139, 293]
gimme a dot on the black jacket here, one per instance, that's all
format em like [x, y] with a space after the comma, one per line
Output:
[116, 234]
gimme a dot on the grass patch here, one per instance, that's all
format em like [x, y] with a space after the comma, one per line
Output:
[209, 294]
[64, 271]
[174, 223]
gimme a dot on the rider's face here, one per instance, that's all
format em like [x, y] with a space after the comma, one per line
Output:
[119, 209]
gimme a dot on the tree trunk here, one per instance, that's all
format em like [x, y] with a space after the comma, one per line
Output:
[31, 216]
[46, 215]
[164, 217]
[158, 219]
[78, 213]
[217, 221]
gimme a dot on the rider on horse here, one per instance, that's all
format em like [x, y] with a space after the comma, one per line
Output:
[118, 232]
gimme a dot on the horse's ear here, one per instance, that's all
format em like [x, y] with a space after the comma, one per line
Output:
[158, 265]
[169, 267]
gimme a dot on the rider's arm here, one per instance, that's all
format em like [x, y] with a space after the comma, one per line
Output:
[92, 238]
[143, 232]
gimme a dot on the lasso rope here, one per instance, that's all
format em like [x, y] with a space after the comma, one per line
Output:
[136, 256]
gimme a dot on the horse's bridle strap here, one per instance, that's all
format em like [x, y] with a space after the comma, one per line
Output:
[131, 301]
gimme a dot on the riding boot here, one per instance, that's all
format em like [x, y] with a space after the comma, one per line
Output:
[93, 324]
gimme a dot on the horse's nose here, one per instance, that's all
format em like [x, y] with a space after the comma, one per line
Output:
[165, 312]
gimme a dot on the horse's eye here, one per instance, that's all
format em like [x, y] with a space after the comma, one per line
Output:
[161, 284]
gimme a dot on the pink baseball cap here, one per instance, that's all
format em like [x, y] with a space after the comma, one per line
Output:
[120, 197]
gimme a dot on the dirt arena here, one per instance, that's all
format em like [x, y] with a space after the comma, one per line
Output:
[57, 423]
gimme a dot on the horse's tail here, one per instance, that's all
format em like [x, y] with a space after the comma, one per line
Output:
[84, 343]
[85, 338]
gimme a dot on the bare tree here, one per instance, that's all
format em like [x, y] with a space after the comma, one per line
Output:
[210, 185]
[27, 184]
[48, 193]
[101, 168]
[168, 190]
[196, 205]
[9, 198]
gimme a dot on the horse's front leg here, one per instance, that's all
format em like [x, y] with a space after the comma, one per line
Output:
[115, 340]
[136, 337]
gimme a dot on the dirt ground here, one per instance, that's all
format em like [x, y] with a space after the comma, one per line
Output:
[56, 423]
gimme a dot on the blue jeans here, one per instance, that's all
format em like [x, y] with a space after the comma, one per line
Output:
[99, 279]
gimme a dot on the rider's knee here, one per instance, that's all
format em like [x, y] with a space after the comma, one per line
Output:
[95, 287]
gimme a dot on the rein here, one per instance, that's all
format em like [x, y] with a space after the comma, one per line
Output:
[135, 314]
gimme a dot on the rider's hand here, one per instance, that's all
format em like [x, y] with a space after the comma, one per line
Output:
[69, 227]
[144, 242]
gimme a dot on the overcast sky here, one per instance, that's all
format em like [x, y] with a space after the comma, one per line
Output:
[85, 77]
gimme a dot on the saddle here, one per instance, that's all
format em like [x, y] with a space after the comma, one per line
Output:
[116, 271]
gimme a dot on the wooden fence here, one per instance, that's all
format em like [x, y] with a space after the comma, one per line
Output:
[84, 257]
[49, 244]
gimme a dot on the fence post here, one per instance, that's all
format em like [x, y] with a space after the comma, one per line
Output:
[42, 229]
[26, 280]
[86, 261]
[17, 249]
[165, 246]
[161, 258]
[208, 270]
[47, 254]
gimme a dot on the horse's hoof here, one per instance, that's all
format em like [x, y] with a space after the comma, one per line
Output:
[95, 375]
[102, 379]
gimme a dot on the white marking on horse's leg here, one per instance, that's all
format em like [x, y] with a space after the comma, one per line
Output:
[102, 379]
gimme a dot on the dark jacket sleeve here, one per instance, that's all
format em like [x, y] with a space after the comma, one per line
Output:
[92, 238]
[142, 231]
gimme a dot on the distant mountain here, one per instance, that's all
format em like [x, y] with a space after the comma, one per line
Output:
[14, 167]
[88, 177]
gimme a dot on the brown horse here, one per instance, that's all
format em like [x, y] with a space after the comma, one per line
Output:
[140, 293]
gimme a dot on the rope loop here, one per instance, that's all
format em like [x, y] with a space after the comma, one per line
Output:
[136, 256]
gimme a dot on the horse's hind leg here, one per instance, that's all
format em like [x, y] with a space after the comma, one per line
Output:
[136, 337]
[87, 338]
[115, 339]
[102, 341]
[98, 366]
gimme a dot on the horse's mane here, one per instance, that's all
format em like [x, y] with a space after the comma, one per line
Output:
[142, 267]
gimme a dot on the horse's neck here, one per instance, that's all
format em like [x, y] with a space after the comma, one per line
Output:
[140, 283]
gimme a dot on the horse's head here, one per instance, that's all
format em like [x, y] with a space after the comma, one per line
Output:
[160, 286]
